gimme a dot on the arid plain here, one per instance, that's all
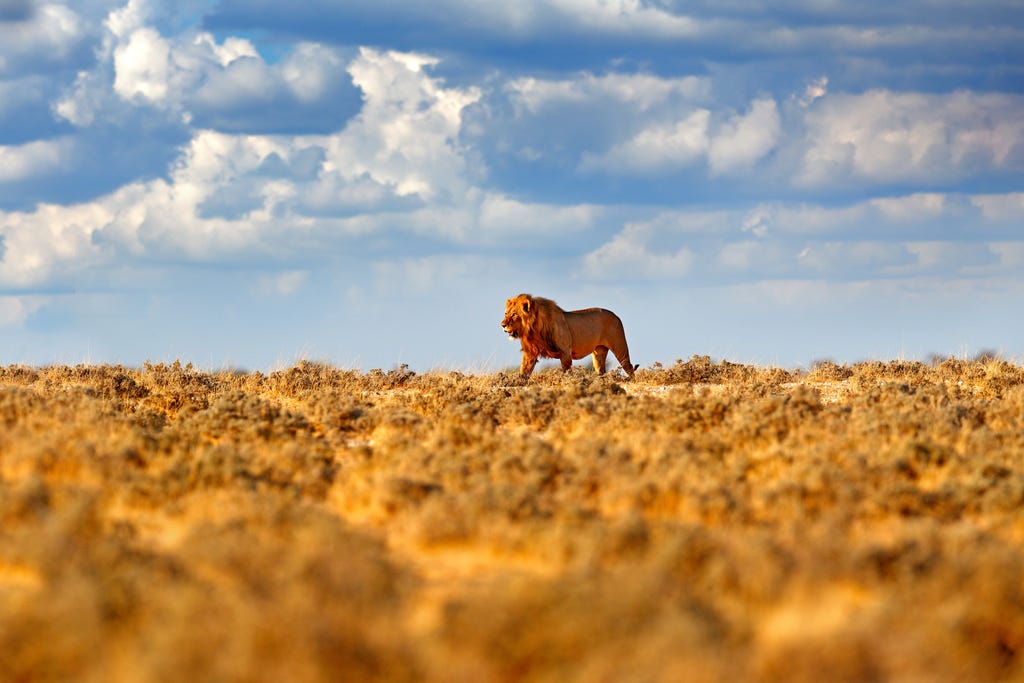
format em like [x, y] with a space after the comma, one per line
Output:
[707, 521]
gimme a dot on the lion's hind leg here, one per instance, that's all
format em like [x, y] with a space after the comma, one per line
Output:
[600, 356]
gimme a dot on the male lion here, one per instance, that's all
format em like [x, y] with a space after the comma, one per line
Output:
[544, 329]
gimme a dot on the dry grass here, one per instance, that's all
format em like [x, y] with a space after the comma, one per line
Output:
[706, 522]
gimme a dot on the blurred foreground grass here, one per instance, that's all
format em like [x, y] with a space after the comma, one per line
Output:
[706, 522]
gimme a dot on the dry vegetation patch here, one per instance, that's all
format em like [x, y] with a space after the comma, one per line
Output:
[707, 521]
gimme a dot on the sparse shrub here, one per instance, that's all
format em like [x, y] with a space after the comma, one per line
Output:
[706, 521]
[828, 371]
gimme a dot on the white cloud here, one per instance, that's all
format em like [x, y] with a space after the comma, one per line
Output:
[36, 245]
[815, 89]
[15, 310]
[884, 136]
[1009, 254]
[594, 122]
[657, 149]
[142, 66]
[244, 80]
[862, 257]
[627, 17]
[406, 135]
[915, 207]
[184, 77]
[500, 215]
[122, 21]
[82, 101]
[628, 257]
[54, 242]
[744, 139]
[33, 159]
[634, 124]
[1000, 207]
[403, 165]
[918, 235]
[402, 144]
[949, 258]
[310, 70]
[49, 36]
[641, 92]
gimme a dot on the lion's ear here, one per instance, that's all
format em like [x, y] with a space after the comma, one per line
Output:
[526, 306]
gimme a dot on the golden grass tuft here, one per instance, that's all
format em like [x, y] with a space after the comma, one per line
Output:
[708, 521]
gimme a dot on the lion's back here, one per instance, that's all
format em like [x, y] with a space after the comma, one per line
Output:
[595, 327]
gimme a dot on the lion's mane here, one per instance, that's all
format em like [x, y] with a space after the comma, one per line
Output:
[540, 324]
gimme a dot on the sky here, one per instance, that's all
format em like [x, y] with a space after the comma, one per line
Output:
[246, 183]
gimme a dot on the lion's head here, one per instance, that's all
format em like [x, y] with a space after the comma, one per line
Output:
[520, 315]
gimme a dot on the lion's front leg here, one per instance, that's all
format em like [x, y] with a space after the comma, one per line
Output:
[566, 359]
[529, 363]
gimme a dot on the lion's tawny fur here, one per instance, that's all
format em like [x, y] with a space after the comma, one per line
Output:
[545, 330]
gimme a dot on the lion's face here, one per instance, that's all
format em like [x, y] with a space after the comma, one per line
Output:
[518, 311]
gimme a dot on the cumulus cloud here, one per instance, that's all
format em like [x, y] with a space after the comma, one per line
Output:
[658, 149]
[414, 156]
[308, 88]
[1009, 254]
[142, 66]
[503, 216]
[854, 259]
[15, 310]
[189, 78]
[744, 139]
[640, 125]
[32, 159]
[627, 257]
[815, 90]
[919, 235]
[884, 136]
[915, 207]
[642, 92]
[230, 195]
[574, 121]
[39, 40]
[36, 245]
[631, 125]
[951, 258]
[1000, 207]
[137, 66]
[406, 134]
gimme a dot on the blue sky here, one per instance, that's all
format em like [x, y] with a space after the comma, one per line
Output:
[246, 183]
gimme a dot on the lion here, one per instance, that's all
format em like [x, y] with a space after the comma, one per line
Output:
[545, 330]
